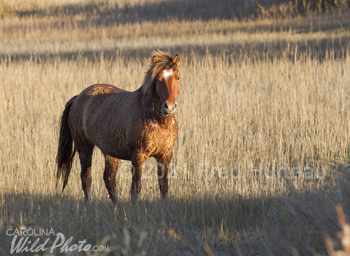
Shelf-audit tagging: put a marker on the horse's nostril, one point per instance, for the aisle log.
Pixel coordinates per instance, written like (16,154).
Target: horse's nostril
(166,105)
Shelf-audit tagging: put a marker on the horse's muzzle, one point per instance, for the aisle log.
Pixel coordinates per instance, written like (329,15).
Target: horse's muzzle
(168,110)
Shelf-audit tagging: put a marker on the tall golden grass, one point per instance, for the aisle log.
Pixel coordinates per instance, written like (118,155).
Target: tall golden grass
(262,156)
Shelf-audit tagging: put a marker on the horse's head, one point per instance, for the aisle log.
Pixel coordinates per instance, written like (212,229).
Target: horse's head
(168,86)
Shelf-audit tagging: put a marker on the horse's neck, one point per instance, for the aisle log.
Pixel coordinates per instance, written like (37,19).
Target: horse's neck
(151,108)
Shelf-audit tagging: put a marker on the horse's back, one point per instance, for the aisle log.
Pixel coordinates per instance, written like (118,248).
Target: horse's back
(100,89)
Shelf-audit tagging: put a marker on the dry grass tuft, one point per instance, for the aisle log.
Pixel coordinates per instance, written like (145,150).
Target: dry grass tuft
(344,235)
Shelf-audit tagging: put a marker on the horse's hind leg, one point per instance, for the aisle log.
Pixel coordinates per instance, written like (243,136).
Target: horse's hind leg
(109,176)
(85,155)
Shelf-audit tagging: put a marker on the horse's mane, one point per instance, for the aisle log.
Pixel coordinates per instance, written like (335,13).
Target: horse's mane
(159,61)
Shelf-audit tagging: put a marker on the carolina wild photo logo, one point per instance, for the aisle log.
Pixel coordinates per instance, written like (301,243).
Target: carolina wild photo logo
(40,239)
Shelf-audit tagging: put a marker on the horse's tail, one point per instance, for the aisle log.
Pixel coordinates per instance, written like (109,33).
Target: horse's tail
(66,151)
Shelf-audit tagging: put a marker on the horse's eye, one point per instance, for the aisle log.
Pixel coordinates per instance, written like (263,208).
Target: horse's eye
(178,78)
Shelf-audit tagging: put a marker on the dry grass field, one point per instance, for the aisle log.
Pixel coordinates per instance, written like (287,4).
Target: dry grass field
(263,152)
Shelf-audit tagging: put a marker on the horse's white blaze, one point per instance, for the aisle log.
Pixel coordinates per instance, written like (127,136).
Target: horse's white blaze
(167,73)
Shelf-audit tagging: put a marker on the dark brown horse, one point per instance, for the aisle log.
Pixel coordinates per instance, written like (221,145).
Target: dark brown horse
(123,125)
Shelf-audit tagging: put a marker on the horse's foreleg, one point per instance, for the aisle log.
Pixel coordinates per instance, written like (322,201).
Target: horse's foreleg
(109,176)
(137,165)
(162,166)
(86,179)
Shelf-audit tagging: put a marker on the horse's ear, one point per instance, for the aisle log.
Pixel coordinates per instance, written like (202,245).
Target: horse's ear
(176,59)
(154,59)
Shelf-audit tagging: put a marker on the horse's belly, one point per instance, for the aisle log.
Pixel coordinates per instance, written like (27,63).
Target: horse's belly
(116,151)
(124,155)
